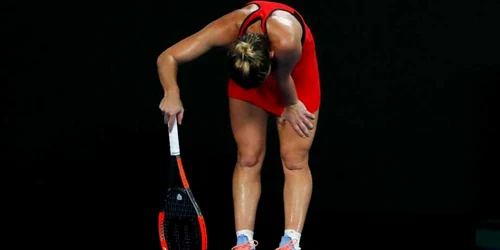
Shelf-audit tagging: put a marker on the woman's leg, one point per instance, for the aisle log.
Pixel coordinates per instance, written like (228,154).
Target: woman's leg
(298,181)
(249,126)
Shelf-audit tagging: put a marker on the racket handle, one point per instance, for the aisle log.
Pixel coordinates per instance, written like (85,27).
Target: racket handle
(173,137)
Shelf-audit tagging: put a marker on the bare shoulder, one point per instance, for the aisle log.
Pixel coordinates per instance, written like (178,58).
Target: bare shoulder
(228,21)
(224,30)
(235,18)
(248,9)
(239,15)
(283,28)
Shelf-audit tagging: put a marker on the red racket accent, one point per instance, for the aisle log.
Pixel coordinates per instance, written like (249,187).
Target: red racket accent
(185,182)
(163,241)
(204,238)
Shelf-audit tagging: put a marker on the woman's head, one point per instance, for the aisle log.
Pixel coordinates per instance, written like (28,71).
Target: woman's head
(250,60)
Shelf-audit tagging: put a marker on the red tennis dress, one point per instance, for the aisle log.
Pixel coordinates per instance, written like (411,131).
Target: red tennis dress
(305,73)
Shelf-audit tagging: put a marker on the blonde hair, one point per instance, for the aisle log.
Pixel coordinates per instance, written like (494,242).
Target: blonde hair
(249,60)
(246,56)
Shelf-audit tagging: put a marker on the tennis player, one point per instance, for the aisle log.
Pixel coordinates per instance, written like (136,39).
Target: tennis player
(273,70)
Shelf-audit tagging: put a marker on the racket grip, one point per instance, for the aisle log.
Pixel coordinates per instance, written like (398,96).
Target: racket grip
(173,137)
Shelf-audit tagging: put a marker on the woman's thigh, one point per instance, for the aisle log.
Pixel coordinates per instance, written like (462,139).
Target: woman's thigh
(249,126)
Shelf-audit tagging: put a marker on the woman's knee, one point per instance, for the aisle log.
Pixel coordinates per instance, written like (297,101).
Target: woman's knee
(295,158)
(251,157)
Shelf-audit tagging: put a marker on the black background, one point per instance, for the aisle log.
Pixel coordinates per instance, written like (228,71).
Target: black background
(405,151)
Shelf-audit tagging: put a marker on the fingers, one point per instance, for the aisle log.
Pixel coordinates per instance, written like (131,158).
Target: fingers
(299,131)
(165,118)
(301,128)
(307,122)
(309,115)
(305,130)
(171,120)
(169,117)
(180,115)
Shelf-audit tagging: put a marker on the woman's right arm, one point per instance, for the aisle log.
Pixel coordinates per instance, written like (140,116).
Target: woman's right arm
(220,32)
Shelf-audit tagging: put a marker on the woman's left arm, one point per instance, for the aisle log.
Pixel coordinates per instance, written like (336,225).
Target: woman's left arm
(286,54)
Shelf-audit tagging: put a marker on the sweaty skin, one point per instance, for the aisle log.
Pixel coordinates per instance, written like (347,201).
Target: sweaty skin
(296,125)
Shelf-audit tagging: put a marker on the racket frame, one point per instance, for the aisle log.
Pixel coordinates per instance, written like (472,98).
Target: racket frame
(174,170)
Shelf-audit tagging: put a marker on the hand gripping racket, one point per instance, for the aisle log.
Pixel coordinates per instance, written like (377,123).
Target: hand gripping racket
(180,222)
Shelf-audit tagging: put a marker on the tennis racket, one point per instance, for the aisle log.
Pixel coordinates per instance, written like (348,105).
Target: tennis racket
(180,222)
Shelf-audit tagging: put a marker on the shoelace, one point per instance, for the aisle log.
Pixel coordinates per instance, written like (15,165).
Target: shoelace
(247,246)
(288,246)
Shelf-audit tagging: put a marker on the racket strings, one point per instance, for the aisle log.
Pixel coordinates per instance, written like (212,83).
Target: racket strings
(181,226)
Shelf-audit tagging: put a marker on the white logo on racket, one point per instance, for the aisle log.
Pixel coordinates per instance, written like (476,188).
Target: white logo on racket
(179,197)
